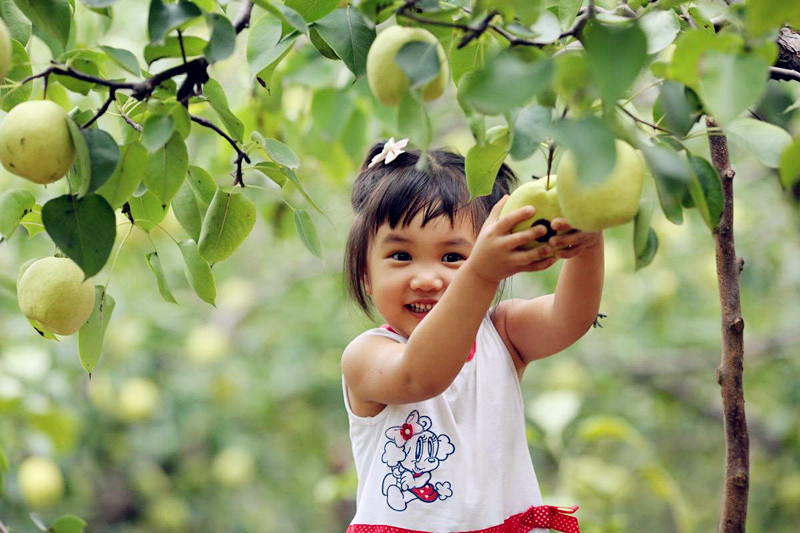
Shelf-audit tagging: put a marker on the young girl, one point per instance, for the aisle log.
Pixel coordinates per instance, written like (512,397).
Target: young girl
(433,397)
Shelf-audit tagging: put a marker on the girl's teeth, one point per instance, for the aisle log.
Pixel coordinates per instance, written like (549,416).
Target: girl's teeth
(421,308)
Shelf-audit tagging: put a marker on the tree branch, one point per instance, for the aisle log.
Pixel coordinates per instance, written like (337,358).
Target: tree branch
(729,373)
(242,19)
(241,156)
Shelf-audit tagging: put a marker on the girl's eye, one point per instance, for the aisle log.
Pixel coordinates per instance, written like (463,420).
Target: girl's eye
(401,256)
(452,257)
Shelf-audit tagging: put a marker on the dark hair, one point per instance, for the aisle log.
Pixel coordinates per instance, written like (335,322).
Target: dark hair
(397,192)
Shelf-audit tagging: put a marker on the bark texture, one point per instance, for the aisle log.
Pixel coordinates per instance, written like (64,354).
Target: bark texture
(729,373)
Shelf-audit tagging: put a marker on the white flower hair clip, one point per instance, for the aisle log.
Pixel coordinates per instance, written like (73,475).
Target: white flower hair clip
(390,151)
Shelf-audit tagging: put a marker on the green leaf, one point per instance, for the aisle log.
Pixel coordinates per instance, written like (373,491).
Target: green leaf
(617,53)
(223,39)
(481,166)
(127,176)
(349,36)
(531,128)
(789,169)
(672,175)
(766,141)
(661,27)
(171,47)
(308,234)
(123,58)
(691,46)
(471,57)
(51,17)
(215,95)
(165,17)
(161,280)
(507,82)
(187,211)
(277,151)
(262,43)
(14,204)
(312,10)
(203,185)
(732,83)
(591,144)
(229,220)
(157,131)
(419,61)
(83,159)
(706,191)
(645,240)
(103,159)
(92,333)
(18,24)
(413,121)
(198,273)
(273,171)
(20,69)
(678,116)
(763,16)
(166,169)
(84,229)
(32,221)
(68,524)
(147,211)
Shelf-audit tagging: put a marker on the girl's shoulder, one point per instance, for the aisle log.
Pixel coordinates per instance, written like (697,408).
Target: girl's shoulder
(498,315)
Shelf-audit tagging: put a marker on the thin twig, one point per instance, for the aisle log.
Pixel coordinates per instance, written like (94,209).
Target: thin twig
(646,123)
(135,125)
(242,19)
(777,73)
(241,156)
(112,94)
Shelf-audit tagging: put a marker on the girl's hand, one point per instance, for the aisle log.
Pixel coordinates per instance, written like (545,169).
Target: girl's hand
(498,253)
(574,242)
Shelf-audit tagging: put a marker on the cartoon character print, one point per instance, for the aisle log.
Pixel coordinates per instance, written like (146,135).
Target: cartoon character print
(412,453)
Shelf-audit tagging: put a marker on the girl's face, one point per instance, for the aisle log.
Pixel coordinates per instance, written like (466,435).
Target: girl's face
(409,268)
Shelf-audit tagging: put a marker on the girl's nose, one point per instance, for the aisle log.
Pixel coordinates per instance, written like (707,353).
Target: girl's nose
(427,280)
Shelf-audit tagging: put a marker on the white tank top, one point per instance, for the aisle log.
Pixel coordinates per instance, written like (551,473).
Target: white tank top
(456,462)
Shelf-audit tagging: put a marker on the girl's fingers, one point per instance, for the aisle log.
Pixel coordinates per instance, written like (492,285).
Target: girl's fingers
(494,214)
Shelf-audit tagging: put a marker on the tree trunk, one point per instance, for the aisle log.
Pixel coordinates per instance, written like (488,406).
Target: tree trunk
(729,373)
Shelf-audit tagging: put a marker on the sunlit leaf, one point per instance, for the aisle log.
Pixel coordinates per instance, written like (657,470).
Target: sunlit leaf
(766,141)
(157,131)
(215,94)
(187,211)
(103,159)
(729,84)
(127,176)
(14,204)
(661,27)
(123,58)
(591,144)
(645,240)
(672,175)
(481,166)
(84,229)
(419,61)
(277,151)
(20,69)
(203,185)
(171,47)
(92,333)
(229,220)
(166,169)
(68,524)
(51,17)
(32,221)
(308,233)
(161,279)
(198,273)
(531,128)
(617,53)
(262,43)
(312,10)
(790,164)
(706,191)
(147,211)
(413,121)
(19,26)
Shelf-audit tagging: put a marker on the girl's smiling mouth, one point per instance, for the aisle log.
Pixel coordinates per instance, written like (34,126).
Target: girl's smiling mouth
(420,308)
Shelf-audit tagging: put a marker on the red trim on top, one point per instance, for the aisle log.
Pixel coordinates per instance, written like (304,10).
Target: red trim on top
(469,357)
(542,516)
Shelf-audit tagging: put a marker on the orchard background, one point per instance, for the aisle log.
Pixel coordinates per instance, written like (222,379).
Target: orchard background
(216,405)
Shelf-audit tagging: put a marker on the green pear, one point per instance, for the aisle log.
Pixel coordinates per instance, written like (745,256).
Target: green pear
(386,79)
(543,196)
(54,293)
(6,53)
(612,201)
(35,142)
(40,482)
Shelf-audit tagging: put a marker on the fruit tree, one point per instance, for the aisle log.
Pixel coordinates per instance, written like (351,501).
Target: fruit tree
(203,120)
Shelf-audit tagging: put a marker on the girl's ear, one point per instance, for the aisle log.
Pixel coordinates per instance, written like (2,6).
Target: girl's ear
(367,287)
